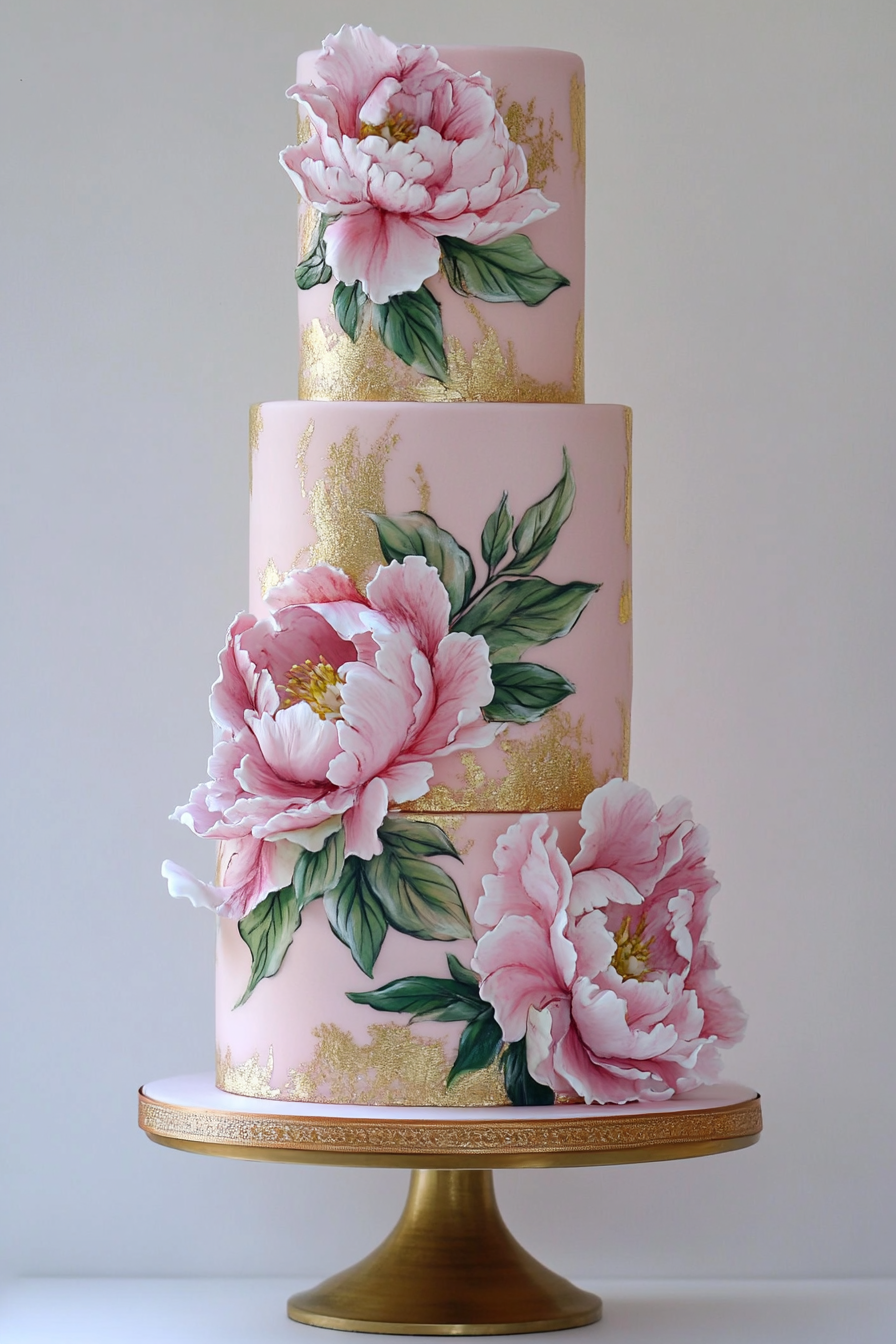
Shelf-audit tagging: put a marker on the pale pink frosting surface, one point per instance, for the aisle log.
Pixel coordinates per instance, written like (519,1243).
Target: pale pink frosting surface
(541,94)
(457,461)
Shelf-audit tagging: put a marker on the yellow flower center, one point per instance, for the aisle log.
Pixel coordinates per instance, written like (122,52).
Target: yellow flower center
(317,684)
(632,956)
(397,126)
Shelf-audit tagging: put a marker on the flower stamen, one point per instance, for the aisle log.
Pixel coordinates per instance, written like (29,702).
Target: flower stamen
(398,126)
(632,956)
(315,684)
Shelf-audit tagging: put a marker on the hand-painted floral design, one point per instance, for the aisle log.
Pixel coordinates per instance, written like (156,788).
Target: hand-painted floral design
(328,710)
(601,966)
(411,167)
(333,709)
(592,980)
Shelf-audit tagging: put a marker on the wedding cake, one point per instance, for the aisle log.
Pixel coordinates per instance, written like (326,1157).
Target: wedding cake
(436,885)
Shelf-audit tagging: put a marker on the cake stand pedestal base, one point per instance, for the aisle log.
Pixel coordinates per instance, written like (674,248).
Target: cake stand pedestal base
(450,1267)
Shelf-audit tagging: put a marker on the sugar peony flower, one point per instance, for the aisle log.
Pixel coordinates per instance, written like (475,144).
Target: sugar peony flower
(403,150)
(329,710)
(602,965)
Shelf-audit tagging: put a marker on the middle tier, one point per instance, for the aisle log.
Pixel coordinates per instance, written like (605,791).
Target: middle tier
(526,511)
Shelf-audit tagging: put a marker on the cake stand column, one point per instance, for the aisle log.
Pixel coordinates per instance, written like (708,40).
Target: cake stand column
(449,1267)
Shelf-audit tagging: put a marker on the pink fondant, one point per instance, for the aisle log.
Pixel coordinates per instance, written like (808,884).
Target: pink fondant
(469,454)
(540,84)
(310,988)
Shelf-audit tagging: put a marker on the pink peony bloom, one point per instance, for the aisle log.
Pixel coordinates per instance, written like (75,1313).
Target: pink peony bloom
(329,710)
(602,964)
(403,150)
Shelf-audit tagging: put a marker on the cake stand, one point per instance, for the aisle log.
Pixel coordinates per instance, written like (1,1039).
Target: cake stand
(450,1266)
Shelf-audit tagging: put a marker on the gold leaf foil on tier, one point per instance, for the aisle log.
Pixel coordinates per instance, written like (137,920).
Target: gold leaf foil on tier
(335,368)
(256,425)
(252,1079)
(527,128)
(550,771)
(625,603)
(396,1068)
(352,486)
(577,121)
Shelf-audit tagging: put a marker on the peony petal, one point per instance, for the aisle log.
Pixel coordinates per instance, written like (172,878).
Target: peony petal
(412,596)
(297,744)
(305,587)
(389,254)
(363,821)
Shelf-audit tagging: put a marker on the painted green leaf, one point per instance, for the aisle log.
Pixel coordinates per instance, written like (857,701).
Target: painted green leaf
(317,873)
(415,839)
(267,932)
(410,325)
(462,974)
(479,1046)
(418,897)
(521,1087)
(496,535)
(313,269)
(540,525)
(507,271)
(517,613)
(426,998)
(524,692)
(349,302)
(356,916)
(403,534)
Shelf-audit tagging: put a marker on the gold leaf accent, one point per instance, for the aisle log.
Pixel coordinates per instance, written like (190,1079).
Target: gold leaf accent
(336,368)
(423,487)
(624,752)
(269,577)
(309,219)
(577,121)
(303,127)
(627,411)
(396,1068)
(527,128)
(352,486)
(302,452)
(625,603)
(548,772)
(256,425)
(252,1079)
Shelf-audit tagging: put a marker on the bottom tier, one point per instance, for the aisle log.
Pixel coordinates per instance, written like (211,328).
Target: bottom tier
(299,1037)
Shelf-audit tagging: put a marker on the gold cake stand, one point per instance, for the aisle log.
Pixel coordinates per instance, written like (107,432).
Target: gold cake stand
(450,1266)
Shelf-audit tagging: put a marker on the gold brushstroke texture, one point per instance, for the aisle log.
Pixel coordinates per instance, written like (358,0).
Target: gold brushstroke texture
(252,1079)
(353,485)
(336,368)
(302,453)
(625,603)
(309,218)
(549,771)
(256,425)
(396,1068)
(303,127)
(423,487)
(624,752)
(627,412)
(577,121)
(527,128)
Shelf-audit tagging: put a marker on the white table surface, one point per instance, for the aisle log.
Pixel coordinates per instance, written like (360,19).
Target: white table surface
(253,1311)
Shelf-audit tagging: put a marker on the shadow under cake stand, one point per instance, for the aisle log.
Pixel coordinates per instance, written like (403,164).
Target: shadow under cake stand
(450,1266)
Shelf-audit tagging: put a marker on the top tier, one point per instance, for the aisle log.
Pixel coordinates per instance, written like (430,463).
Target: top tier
(441,222)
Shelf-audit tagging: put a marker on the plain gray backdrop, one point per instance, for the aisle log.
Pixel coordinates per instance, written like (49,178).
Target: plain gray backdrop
(741,299)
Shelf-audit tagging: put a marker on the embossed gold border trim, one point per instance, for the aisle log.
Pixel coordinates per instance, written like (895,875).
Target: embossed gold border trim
(602,1139)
